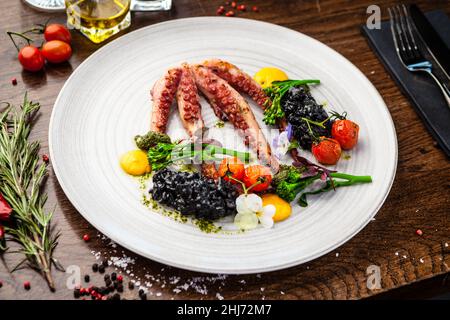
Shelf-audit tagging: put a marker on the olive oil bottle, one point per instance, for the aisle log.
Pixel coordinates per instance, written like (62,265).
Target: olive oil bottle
(98,19)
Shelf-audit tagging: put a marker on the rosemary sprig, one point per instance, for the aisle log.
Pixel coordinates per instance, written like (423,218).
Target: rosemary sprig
(22,179)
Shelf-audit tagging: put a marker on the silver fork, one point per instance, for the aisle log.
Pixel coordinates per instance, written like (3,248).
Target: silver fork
(407,50)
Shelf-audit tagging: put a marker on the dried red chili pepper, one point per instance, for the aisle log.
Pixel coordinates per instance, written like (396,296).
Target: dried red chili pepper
(5,209)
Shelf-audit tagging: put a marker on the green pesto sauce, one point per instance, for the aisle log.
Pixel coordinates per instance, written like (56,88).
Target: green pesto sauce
(146,199)
(155,206)
(206,226)
(220,124)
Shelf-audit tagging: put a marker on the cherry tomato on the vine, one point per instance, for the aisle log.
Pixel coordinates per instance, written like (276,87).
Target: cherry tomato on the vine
(56,51)
(345,132)
(326,151)
(257,173)
(231,167)
(57,31)
(31,58)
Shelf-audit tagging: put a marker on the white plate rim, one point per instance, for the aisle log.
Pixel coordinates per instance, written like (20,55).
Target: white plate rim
(191,267)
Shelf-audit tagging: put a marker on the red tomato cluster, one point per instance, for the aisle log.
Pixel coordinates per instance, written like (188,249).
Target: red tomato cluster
(344,135)
(56,49)
(256,177)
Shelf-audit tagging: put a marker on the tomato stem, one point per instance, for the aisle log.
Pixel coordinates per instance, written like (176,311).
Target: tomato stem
(18,34)
(254,185)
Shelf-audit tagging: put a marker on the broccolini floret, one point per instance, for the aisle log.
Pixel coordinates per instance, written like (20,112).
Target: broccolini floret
(288,190)
(289,173)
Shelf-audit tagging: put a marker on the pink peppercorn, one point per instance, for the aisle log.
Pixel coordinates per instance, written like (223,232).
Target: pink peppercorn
(220,10)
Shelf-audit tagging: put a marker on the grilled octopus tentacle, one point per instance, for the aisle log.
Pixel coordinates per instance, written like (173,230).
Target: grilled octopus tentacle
(243,82)
(163,95)
(238,79)
(190,113)
(189,103)
(234,106)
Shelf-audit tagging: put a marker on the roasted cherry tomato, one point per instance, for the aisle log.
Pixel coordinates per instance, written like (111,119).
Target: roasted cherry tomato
(57,31)
(327,151)
(56,51)
(345,132)
(231,167)
(31,58)
(257,173)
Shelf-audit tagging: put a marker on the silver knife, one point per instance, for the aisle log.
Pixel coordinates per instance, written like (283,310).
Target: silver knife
(434,43)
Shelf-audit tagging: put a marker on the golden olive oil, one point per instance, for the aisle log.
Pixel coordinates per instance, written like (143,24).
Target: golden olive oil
(98,19)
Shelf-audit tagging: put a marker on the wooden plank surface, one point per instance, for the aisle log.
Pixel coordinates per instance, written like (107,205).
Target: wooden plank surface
(420,196)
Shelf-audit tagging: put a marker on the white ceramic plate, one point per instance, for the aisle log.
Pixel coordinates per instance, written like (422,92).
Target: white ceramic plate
(106,102)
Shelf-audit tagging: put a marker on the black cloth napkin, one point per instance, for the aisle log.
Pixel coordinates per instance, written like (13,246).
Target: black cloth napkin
(422,91)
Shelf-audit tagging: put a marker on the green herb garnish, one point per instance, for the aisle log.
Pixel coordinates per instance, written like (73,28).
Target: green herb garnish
(275,92)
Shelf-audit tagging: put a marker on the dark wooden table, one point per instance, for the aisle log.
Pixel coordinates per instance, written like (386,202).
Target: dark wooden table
(419,199)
